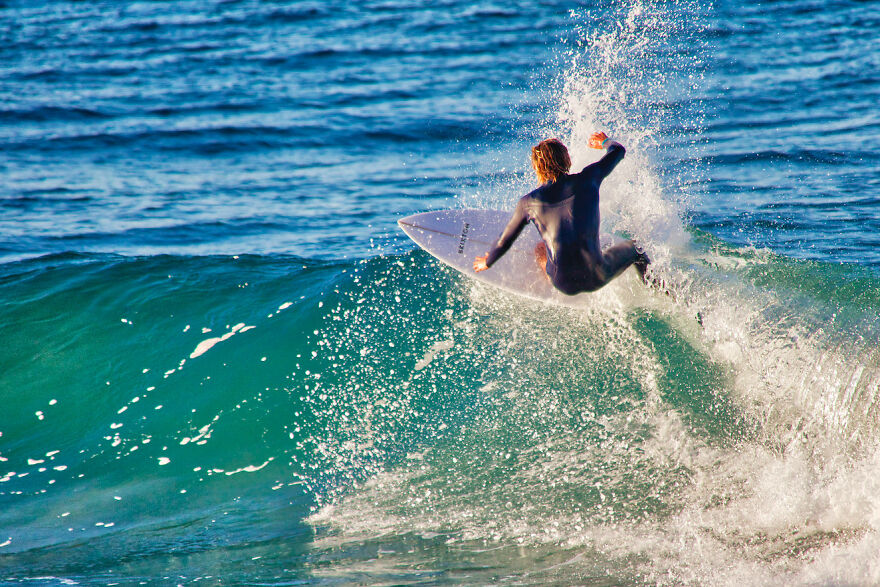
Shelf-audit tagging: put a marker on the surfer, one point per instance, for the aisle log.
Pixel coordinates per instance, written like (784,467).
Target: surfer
(565,209)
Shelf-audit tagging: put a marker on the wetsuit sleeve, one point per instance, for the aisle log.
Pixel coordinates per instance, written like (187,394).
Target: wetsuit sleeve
(517,222)
(606,164)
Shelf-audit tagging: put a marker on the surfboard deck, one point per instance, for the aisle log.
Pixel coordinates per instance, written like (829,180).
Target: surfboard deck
(457,237)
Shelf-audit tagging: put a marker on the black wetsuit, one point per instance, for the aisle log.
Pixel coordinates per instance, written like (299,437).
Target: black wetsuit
(566,213)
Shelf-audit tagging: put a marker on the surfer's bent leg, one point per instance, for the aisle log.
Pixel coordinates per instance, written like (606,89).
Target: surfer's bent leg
(593,276)
(617,258)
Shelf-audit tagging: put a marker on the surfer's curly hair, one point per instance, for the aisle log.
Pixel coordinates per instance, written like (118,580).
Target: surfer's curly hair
(550,160)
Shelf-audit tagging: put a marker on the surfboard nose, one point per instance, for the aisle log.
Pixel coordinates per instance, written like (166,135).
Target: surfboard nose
(409,225)
(407,221)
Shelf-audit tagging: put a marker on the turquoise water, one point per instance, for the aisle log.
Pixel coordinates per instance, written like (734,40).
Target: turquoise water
(223,363)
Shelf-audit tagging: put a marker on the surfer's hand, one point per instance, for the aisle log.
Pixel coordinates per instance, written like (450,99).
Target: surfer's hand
(480,263)
(596,139)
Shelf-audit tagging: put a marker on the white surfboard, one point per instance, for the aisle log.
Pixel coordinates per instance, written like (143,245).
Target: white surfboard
(456,237)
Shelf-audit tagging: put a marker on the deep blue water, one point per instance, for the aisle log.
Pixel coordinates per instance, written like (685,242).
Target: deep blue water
(224,363)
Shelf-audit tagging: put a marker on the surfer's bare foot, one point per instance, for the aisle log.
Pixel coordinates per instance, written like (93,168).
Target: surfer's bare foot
(541,255)
(541,258)
(648,277)
(641,265)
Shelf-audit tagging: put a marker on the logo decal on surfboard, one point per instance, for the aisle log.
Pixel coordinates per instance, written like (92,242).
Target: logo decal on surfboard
(463,239)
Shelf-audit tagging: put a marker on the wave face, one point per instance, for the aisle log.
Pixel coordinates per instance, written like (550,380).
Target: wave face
(288,419)
(222,362)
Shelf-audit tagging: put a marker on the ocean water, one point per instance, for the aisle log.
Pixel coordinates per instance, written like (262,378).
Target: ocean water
(223,363)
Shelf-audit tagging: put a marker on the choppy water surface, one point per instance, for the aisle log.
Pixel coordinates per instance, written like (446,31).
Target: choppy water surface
(224,363)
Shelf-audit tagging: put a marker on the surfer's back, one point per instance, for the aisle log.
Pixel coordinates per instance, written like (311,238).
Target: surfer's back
(566,213)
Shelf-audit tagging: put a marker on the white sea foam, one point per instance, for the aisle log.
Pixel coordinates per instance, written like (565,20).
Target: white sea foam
(209,343)
(438,347)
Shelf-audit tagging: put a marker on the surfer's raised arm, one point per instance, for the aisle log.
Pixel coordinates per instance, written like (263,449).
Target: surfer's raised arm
(517,222)
(605,165)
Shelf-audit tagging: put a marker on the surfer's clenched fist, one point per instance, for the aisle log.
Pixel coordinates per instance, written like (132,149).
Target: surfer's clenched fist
(480,263)
(596,139)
